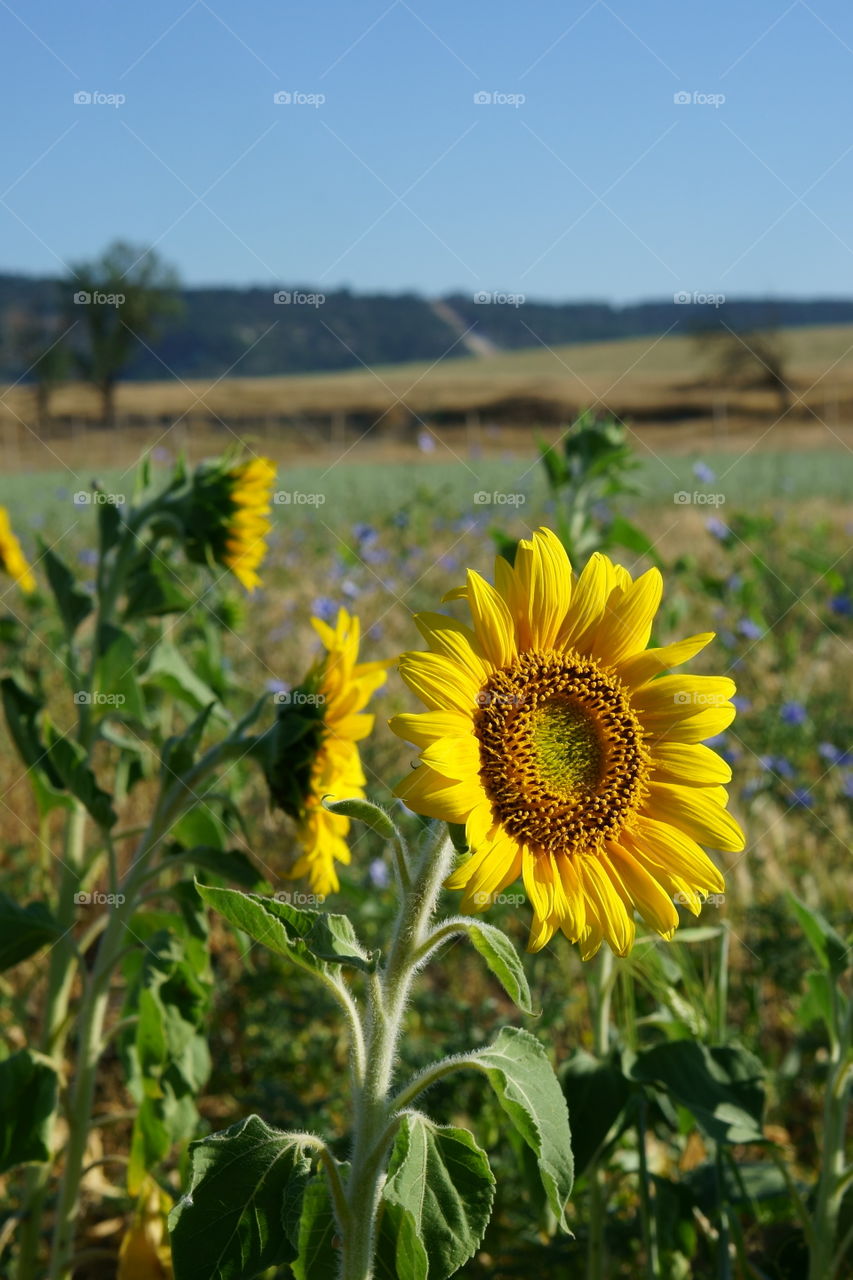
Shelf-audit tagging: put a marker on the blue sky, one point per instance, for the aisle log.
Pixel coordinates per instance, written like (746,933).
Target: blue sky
(597,185)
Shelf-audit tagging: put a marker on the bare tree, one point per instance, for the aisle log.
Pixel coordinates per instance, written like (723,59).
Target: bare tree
(755,359)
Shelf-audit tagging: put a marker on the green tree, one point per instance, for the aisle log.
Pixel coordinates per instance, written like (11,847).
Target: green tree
(40,345)
(123,298)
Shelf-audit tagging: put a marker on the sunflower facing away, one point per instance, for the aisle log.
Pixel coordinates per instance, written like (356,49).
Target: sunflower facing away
(12,559)
(228,516)
(572,762)
(314,752)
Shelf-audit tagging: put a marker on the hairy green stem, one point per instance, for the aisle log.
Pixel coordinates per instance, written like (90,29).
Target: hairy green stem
(375,1109)
(824,1262)
(601,988)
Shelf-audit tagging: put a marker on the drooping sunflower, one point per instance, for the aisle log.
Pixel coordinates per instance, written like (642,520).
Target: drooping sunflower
(227,517)
(312,751)
(12,558)
(552,735)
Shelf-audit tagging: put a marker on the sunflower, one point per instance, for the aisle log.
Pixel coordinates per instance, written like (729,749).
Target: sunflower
(572,762)
(12,559)
(313,753)
(227,518)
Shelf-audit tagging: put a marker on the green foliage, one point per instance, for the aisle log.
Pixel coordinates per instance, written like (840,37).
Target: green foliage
(229,1223)
(24,930)
(437,1201)
(721,1085)
(500,955)
(28,1091)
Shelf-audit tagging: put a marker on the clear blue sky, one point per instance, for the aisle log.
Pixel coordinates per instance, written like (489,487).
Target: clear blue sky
(598,185)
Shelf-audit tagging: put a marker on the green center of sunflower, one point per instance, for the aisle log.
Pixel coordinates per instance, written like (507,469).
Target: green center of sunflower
(562,755)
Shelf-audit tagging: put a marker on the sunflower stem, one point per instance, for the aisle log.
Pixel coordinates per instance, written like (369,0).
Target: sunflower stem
(375,1107)
(600,991)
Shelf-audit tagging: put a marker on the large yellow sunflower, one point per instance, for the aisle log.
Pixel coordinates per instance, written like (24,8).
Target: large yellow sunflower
(319,759)
(573,763)
(12,559)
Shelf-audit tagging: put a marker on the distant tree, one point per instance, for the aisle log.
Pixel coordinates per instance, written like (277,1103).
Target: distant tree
(122,298)
(758,358)
(40,345)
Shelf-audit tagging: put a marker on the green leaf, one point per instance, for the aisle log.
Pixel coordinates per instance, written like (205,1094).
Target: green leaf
(23,930)
(596,1093)
(115,679)
(311,939)
(69,760)
(363,811)
(229,1224)
(316,1233)
(152,591)
(721,1085)
(830,948)
(501,957)
(28,1092)
(622,533)
(179,752)
(437,1200)
(22,711)
(529,1092)
(231,864)
(169,670)
(73,603)
(817,1002)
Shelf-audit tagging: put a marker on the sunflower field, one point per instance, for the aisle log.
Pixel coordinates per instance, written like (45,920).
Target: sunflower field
(403,879)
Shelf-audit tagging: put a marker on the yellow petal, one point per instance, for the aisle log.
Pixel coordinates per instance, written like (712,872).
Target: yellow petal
(626,625)
(439,683)
(435,796)
(638,668)
(689,763)
(686,694)
(457,642)
(616,925)
(492,621)
(544,581)
(690,809)
(588,600)
(659,845)
(424,727)
(654,904)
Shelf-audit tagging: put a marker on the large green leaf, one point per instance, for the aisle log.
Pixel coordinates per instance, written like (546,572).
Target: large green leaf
(501,957)
(73,603)
(169,670)
(529,1092)
(115,678)
(23,930)
(721,1085)
(69,760)
(830,948)
(437,1201)
(312,939)
(229,1224)
(316,1232)
(28,1089)
(231,864)
(597,1093)
(22,712)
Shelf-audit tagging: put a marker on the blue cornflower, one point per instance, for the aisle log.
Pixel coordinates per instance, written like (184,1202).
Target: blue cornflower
(793,713)
(703,472)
